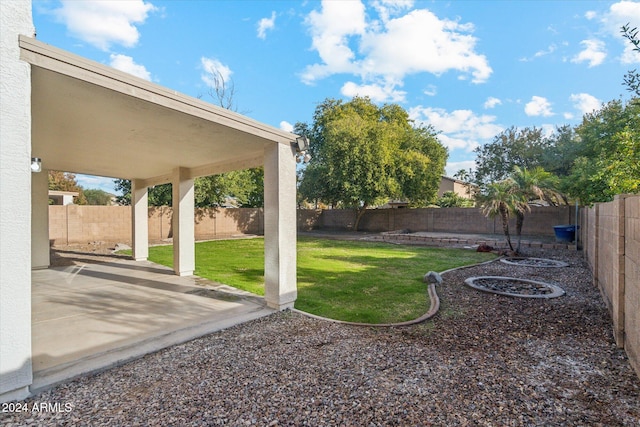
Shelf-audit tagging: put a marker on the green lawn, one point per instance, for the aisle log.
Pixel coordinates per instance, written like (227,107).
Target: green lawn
(345,280)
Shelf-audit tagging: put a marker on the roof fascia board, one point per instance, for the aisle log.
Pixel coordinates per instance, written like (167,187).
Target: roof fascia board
(51,58)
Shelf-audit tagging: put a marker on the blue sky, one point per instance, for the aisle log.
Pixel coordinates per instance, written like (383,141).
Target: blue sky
(469,68)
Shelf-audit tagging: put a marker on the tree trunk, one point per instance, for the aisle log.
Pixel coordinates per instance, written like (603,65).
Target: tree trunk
(519,222)
(504,214)
(359,215)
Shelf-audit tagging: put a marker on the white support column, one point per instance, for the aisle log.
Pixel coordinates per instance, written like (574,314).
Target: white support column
(183,223)
(280,226)
(139,220)
(40,257)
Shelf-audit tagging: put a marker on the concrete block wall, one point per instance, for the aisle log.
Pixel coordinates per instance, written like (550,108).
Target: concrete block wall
(308,219)
(611,261)
(539,221)
(337,219)
(611,240)
(632,281)
(159,223)
(211,223)
(73,224)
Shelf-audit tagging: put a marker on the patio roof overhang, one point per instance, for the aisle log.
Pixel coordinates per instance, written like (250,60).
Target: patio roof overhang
(92,119)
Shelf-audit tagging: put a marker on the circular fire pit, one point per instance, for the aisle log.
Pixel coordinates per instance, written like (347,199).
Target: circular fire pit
(534,262)
(514,287)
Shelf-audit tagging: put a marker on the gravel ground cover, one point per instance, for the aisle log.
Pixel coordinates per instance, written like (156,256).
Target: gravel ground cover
(483,360)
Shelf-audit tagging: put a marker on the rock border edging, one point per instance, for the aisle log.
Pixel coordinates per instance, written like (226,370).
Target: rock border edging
(557,291)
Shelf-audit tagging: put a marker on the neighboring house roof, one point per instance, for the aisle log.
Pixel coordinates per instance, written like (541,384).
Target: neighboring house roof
(454,180)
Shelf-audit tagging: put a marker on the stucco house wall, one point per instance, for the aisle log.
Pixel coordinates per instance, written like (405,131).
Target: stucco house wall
(455,185)
(15,203)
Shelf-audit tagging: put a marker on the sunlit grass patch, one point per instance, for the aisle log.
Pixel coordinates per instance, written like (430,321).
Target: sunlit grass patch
(346,280)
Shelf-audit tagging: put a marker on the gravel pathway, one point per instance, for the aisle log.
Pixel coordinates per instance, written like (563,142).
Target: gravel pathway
(483,360)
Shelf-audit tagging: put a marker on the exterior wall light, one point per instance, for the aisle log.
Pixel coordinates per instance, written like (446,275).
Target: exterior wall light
(301,145)
(36,164)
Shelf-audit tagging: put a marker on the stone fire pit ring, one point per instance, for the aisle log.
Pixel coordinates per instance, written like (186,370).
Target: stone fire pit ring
(515,287)
(534,262)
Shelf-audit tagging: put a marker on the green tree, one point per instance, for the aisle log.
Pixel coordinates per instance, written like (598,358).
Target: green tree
(512,147)
(632,79)
(532,184)
(607,156)
(564,146)
(451,199)
(246,186)
(500,199)
(159,195)
(363,155)
(66,181)
(97,197)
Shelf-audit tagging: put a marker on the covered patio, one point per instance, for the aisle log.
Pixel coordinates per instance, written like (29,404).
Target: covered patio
(91,119)
(80,116)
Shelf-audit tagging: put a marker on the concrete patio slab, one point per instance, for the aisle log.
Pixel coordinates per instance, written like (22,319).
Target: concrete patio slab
(92,316)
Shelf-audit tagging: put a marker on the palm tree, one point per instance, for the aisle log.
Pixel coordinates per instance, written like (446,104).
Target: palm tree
(501,199)
(533,184)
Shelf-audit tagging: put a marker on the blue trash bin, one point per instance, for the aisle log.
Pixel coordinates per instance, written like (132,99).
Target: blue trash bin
(565,233)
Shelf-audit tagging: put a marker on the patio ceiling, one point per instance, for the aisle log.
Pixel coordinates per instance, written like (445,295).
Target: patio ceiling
(92,119)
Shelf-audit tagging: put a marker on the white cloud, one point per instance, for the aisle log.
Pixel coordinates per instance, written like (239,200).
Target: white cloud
(377,92)
(266,24)
(552,48)
(286,126)
(630,56)
(103,23)
(214,69)
(590,14)
(453,167)
(431,90)
(594,53)
(387,8)
(585,103)
(491,102)
(568,116)
(392,47)
(125,63)
(420,42)
(460,129)
(330,30)
(538,106)
(619,14)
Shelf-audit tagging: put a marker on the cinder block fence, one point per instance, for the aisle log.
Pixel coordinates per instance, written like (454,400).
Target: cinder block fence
(73,224)
(611,241)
